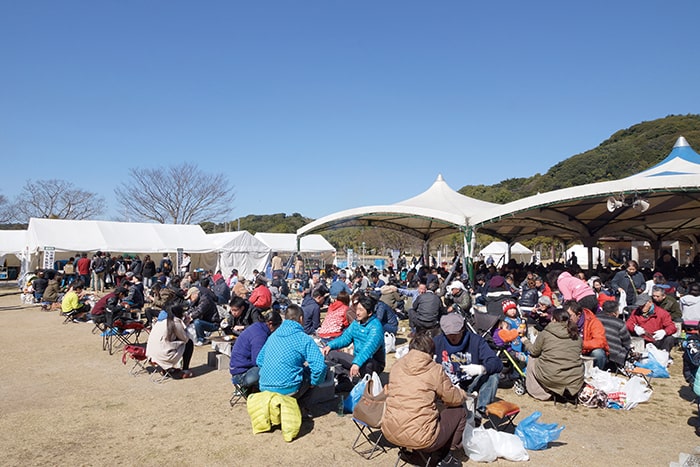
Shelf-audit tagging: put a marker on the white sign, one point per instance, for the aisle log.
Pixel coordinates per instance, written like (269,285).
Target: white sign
(49,255)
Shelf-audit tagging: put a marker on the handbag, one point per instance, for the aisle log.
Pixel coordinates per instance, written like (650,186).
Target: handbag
(370,408)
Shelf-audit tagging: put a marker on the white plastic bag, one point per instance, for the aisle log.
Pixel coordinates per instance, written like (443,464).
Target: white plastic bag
(401,351)
(191,333)
(636,391)
(389,342)
(660,355)
(508,446)
(604,380)
(480,447)
(376,384)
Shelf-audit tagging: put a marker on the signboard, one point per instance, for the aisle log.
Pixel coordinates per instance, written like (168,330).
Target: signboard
(350,257)
(180,256)
(49,257)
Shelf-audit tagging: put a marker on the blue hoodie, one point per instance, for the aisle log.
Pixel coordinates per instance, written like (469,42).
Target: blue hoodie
(282,358)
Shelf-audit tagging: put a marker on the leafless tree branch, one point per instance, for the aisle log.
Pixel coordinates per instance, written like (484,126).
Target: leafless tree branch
(56,199)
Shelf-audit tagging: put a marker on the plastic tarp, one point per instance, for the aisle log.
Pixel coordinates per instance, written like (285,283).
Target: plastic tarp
(498,250)
(236,250)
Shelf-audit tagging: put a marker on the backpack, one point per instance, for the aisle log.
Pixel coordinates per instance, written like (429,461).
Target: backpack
(98,265)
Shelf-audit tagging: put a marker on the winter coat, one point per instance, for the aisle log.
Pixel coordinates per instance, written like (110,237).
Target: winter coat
(267,409)
(367,340)
(51,292)
(205,308)
(558,367)
(411,417)
(593,333)
(690,305)
(335,321)
(618,338)
(427,309)
(471,349)
(247,348)
(573,288)
(632,285)
(312,314)
(387,316)
(658,319)
(166,353)
(261,297)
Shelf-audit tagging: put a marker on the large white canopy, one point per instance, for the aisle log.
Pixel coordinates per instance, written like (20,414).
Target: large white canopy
(236,250)
(12,243)
(436,212)
(672,189)
(286,243)
(499,250)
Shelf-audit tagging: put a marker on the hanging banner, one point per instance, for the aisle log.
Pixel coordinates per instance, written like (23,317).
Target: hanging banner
(49,255)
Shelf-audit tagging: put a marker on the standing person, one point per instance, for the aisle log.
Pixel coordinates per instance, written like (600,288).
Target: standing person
(166,265)
(555,367)
(185,266)
(168,343)
(290,361)
(83,267)
(98,266)
(276,265)
(367,336)
(630,281)
(149,270)
(243,368)
(412,419)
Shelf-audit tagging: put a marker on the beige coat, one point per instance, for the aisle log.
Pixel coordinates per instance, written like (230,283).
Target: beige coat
(163,352)
(559,366)
(416,382)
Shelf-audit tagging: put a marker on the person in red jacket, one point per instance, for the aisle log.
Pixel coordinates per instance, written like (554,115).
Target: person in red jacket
(592,331)
(261,297)
(652,323)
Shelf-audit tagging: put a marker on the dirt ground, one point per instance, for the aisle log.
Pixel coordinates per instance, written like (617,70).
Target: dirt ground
(64,401)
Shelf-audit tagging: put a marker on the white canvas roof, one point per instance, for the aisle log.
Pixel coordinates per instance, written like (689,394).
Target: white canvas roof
(287,243)
(498,250)
(436,212)
(236,250)
(12,242)
(672,189)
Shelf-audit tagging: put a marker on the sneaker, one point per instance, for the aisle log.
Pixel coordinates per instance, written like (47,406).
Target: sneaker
(201,343)
(450,461)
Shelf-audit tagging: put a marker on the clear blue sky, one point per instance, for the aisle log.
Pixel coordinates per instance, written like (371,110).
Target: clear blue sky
(318,106)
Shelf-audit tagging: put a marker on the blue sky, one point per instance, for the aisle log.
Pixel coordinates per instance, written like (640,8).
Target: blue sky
(318,106)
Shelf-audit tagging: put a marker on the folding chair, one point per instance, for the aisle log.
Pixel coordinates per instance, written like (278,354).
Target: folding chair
(125,332)
(159,375)
(368,440)
(239,394)
(501,415)
(68,317)
(412,457)
(136,353)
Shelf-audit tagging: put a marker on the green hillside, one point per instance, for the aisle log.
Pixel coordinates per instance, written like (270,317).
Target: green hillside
(625,153)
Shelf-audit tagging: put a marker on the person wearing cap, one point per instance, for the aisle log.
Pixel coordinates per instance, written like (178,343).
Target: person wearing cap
(592,332)
(468,360)
(243,367)
(498,291)
(652,323)
(507,333)
(630,281)
(261,297)
(367,336)
(203,311)
(458,296)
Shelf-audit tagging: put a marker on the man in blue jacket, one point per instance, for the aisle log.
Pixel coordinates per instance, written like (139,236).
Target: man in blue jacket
(367,336)
(468,360)
(283,357)
(244,354)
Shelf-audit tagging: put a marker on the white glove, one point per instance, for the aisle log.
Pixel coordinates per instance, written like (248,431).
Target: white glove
(660,334)
(473,370)
(639,330)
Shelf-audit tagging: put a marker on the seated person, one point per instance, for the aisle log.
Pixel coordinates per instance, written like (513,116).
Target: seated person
(458,297)
(134,298)
(172,294)
(555,366)
(73,302)
(290,361)
(53,288)
(244,354)
(468,360)
(203,312)
(426,310)
(652,323)
(385,314)
(168,343)
(311,305)
(336,318)
(155,303)
(412,419)
(690,303)
(541,315)
(507,333)
(239,289)
(241,315)
(111,301)
(616,334)
(367,336)
(221,290)
(591,331)
(261,297)
(39,284)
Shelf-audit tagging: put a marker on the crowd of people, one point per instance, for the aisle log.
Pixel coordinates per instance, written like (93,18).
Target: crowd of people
(550,319)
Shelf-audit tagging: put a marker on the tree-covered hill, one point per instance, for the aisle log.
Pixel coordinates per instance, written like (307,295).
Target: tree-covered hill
(625,153)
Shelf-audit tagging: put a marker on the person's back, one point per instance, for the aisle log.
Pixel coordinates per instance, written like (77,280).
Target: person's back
(247,348)
(616,333)
(690,303)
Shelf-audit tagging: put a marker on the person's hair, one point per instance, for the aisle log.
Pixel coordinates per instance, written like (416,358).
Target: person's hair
(367,302)
(204,282)
(318,293)
(274,318)
(294,312)
(562,316)
(343,297)
(175,281)
(552,277)
(119,291)
(611,307)
(631,262)
(656,288)
(175,311)
(574,306)
(238,302)
(433,286)
(77,284)
(694,289)
(423,341)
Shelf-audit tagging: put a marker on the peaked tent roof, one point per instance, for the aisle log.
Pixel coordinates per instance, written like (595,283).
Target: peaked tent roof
(436,212)
(12,242)
(287,242)
(672,189)
(239,241)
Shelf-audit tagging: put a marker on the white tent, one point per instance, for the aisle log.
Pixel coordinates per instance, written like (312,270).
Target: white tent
(236,250)
(582,255)
(498,251)
(12,244)
(285,244)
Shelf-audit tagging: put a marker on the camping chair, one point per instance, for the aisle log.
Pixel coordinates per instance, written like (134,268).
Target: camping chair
(124,331)
(408,456)
(501,415)
(137,353)
(159,375)
(239,394)
(368,440)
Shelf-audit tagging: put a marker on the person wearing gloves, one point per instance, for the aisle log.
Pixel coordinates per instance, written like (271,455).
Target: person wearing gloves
(468,360)
(652,323)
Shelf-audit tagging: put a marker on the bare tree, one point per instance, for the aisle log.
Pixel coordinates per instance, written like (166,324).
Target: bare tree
(181,195)
(56,199)
(6,211)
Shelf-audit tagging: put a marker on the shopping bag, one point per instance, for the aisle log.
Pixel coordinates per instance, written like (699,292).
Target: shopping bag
(537,436)
(355,394)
